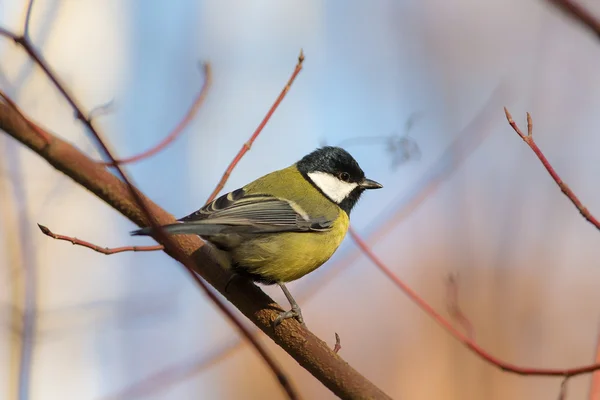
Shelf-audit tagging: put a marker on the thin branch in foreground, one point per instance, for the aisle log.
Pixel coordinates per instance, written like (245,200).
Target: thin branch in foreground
(174,134)
(258,130)
(103,250)
(579,14)
(528,139)
(41,132)
(454,306)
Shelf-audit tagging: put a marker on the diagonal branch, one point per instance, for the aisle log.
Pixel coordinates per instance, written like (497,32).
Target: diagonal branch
(308,350)
(579,14)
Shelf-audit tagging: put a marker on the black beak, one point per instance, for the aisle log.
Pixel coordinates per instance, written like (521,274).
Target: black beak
(370,184)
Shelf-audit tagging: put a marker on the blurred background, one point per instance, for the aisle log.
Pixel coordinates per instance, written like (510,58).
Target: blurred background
(423,81)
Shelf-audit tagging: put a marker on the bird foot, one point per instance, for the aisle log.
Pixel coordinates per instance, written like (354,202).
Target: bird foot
(295,312)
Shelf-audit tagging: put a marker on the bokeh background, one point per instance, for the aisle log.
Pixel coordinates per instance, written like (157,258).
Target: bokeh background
(471,199)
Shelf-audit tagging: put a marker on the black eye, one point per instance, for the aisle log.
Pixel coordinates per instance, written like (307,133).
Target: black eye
(344,176)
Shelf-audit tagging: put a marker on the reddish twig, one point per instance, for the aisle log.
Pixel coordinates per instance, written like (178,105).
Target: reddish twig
(103,250)
(528,139)
(461,337)
(578,13)
(338,344)
(595,383)
(258,130)
(193,110)
(454,307)
(42,133)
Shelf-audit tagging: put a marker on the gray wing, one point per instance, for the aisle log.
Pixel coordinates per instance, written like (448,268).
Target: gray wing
(237,212)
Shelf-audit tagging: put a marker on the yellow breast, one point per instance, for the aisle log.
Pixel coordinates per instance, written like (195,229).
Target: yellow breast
(284,257)
(288,256)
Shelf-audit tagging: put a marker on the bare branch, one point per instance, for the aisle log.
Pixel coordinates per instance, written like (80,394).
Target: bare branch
(258,130)
(103,250)
(528,139)
(174,134)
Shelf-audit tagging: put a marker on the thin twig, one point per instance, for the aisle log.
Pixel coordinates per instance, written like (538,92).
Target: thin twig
(454,306)
(562,395)
(193,110)
(579,14)
(103,250)
(338,345)
(28,19)
(528,139)
(258,130)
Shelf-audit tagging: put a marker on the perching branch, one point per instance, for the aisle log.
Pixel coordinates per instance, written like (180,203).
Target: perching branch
(310,352)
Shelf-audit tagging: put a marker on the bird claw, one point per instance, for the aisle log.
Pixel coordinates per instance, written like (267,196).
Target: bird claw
(295,312)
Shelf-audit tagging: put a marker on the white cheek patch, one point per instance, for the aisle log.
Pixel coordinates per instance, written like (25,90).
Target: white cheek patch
(334,188)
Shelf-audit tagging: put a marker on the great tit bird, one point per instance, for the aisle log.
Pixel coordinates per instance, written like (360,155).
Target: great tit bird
(285,224)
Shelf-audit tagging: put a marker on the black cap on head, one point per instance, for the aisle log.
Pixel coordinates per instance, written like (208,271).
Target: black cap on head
(339,163)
